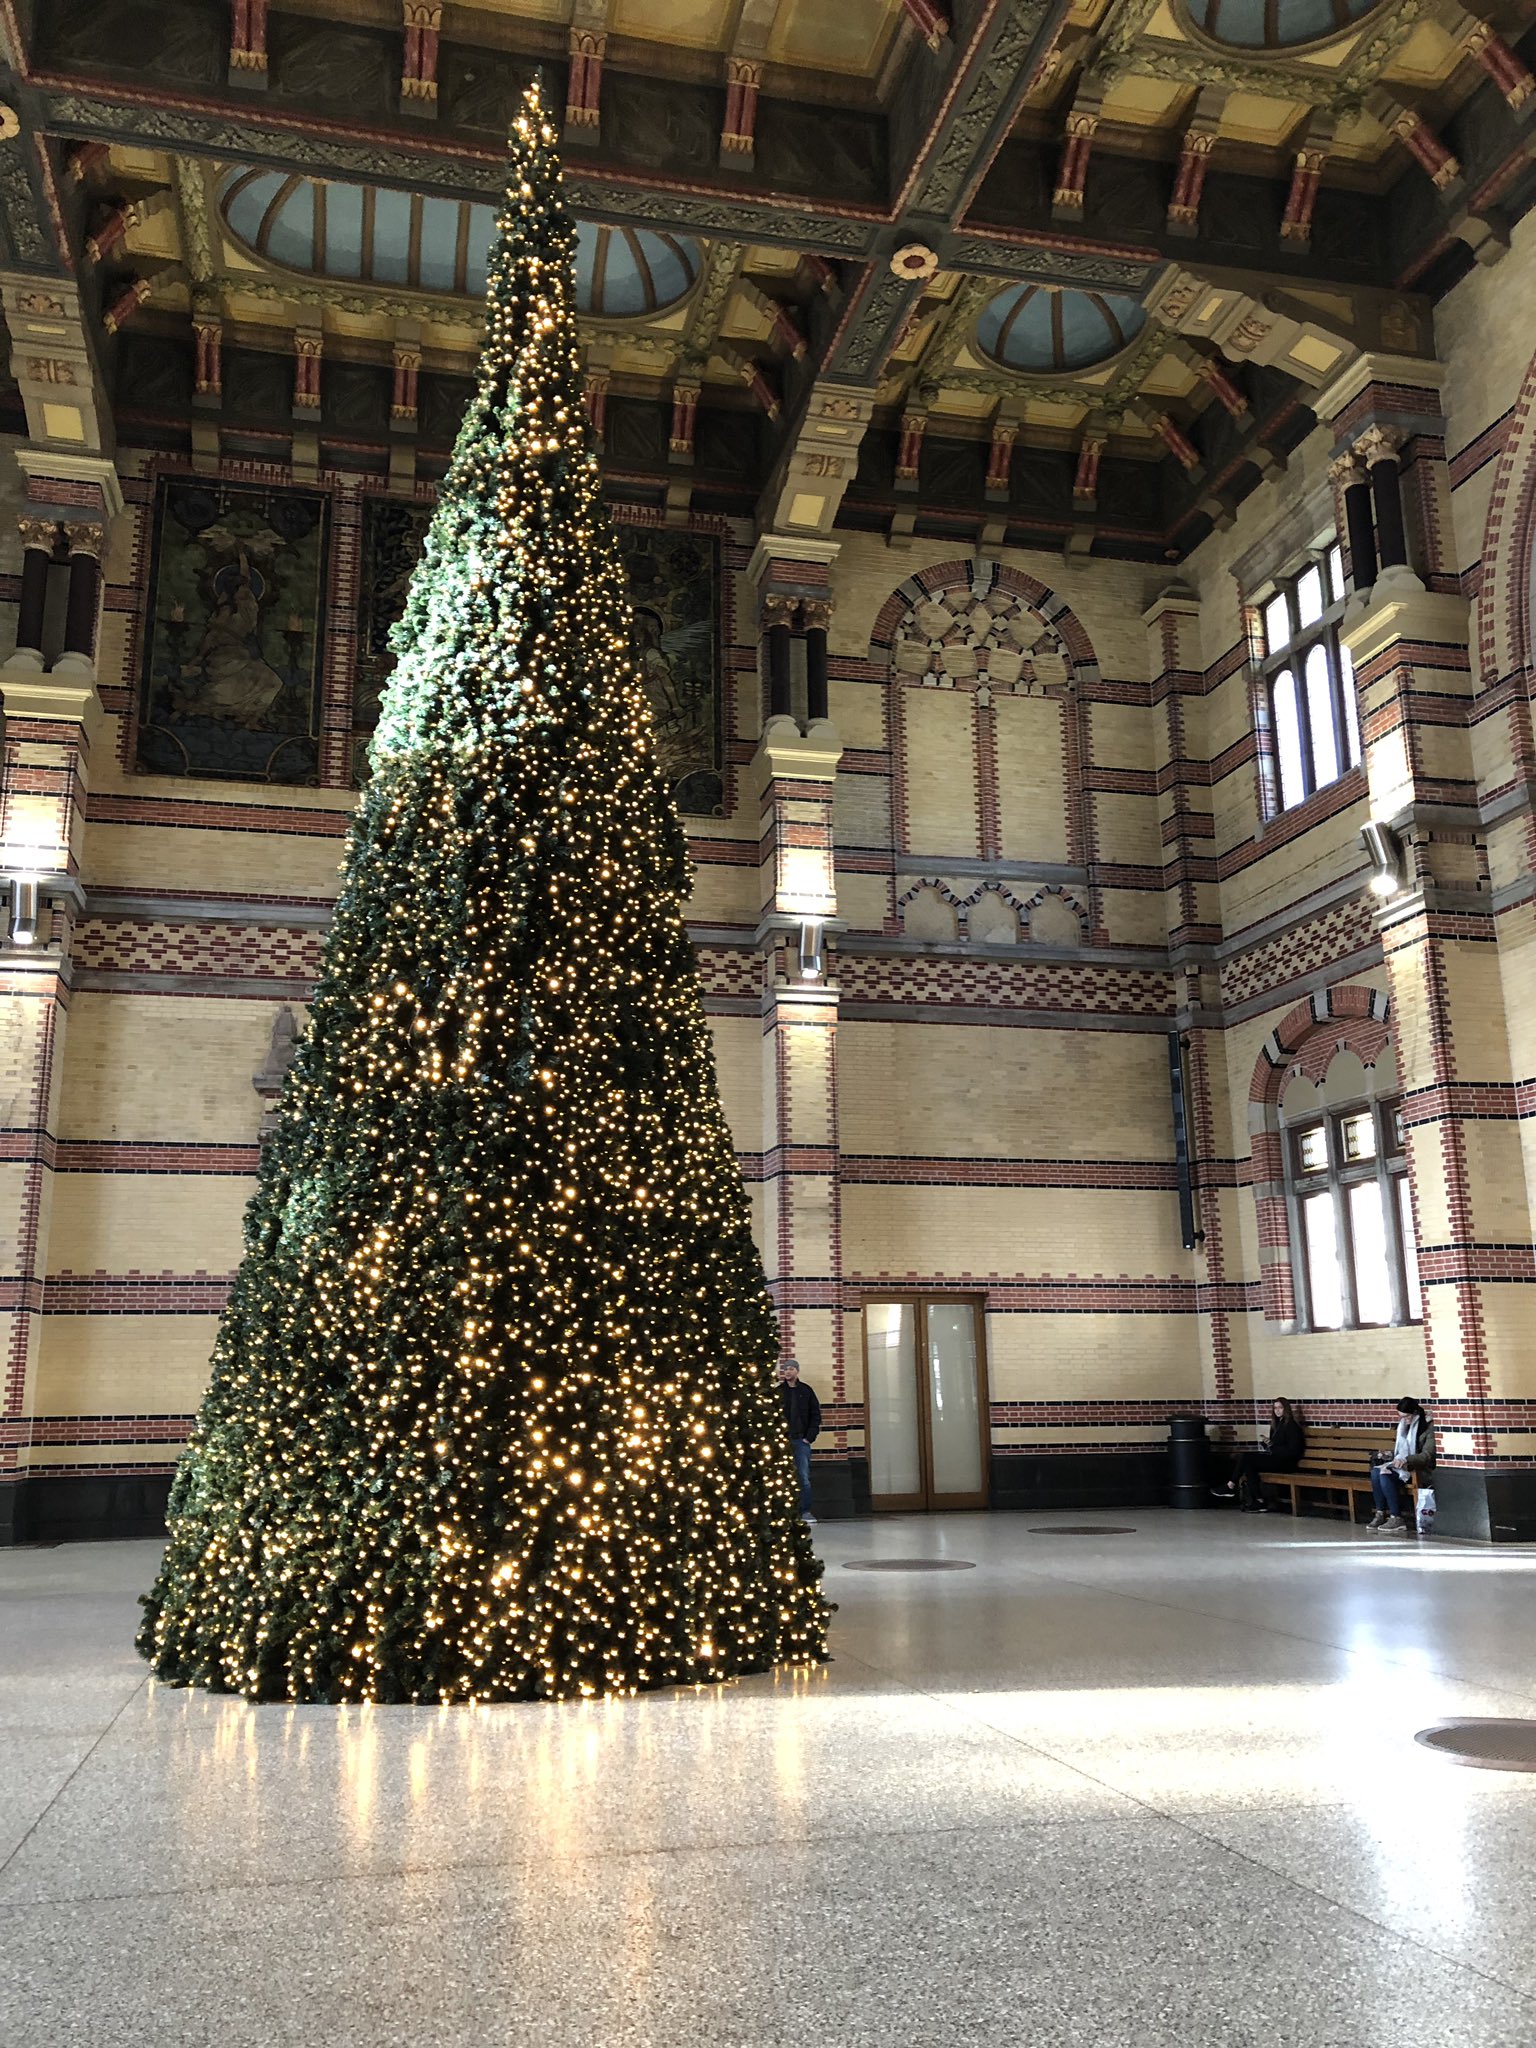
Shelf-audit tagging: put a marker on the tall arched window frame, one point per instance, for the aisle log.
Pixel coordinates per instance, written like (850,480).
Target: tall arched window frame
(1346,1174)
(1314,717)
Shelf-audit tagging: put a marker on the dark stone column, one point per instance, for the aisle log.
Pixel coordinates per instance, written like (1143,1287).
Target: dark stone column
(1378,446)
(776,637)
(817,618)
(38,537)
(85,545)
(1355,488)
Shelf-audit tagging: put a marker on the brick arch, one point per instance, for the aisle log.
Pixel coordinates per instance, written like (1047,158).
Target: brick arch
(1504,642)
(1351,1019)
(978,578)
(982,578)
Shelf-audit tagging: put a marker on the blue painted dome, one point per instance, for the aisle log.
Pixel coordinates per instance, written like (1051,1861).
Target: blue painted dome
(1040,329)
(374,235)
(1276,24)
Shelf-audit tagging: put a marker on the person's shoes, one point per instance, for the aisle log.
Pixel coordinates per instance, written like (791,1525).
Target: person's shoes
(1261,1507)
(1223,1492)
(809,1520)
(1394,1524)
(1376,1520)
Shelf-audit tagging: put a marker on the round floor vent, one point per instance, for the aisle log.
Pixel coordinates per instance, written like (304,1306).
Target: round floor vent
(1085,1529)
(1486,1745)
(908,1564)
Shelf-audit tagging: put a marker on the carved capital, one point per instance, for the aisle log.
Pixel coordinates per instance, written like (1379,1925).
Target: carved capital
(39,534)
(816,615)
(777,611)
(1347,469)
(85,538)
(1379,444)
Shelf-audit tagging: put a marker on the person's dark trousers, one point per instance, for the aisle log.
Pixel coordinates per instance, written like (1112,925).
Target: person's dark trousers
(802,1451)
(1386,1490)
(1246,1474)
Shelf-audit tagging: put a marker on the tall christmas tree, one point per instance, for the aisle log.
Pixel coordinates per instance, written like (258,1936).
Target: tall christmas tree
(492,1412)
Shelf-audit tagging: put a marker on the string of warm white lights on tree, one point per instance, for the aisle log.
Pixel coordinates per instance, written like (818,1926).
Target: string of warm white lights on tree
(492,1413)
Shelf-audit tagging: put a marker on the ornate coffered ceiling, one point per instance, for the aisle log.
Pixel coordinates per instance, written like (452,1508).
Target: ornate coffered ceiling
(956,222)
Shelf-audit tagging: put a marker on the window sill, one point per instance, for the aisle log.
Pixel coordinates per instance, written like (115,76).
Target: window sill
(1280,1329)
(1333,797)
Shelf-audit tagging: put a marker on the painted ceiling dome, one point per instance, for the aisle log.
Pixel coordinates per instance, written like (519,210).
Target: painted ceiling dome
(1038,328)
(1276,24)
(373,235)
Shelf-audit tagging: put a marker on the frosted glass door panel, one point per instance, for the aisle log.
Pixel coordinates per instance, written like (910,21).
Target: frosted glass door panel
(953,1415)
(895,1453)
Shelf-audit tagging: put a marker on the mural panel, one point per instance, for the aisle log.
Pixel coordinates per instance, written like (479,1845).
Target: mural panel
(674,583)
(232,645)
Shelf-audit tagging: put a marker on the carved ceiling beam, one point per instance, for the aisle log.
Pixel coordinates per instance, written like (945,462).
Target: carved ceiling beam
(930,20)
(1072,171)
(1090,453)
(962,112)
(82,158)
(685,413)
(308,349)
(1306,177)
(711,296)
(138,291)
(208,351)
(738,133)
(1207,367)
(423,22)
(909,446)
(753,376)
(782,328)
(1482,42)
(1005,433)
(248,44)
(1194,162)
(588,45)
(405,365)
(1171,434)
(1420,140)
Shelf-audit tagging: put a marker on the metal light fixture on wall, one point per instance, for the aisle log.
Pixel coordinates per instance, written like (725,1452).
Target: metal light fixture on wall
(23,917)
(1388,857)
(813,963)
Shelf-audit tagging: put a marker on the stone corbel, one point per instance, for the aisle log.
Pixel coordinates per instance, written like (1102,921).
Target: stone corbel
(1439,165)
(1194,162)
(1069,196)
(248,44)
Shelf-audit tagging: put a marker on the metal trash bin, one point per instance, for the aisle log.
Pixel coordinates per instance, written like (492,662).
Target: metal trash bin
(1189,1462)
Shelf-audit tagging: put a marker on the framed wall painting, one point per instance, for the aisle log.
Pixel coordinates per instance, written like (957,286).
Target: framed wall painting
(232,644)
(674,583)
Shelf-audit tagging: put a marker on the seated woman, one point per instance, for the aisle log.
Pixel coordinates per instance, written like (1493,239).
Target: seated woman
(1281,1451)
(1413,1455)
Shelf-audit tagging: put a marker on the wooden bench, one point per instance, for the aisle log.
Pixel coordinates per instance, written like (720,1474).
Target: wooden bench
(1338,1466)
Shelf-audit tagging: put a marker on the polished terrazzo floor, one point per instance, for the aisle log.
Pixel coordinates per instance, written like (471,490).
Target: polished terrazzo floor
(1109,1789)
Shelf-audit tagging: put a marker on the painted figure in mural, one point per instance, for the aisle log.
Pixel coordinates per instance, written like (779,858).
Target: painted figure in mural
(233,680)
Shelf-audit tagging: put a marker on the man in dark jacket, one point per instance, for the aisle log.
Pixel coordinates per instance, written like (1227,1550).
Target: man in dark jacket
(802,1413)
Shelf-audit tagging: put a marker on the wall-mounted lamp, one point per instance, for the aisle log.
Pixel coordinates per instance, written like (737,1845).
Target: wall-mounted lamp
(1388,858)
(813,962)
(23,918)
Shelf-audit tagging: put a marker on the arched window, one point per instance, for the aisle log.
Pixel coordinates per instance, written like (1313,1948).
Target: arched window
(1313,714)
(1346,1186)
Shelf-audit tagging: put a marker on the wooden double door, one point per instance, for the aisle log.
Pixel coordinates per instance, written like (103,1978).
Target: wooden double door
(925,1394)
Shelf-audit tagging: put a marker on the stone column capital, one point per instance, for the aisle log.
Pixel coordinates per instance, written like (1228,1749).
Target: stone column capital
(1379,444)
(39,534)
(85,537)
